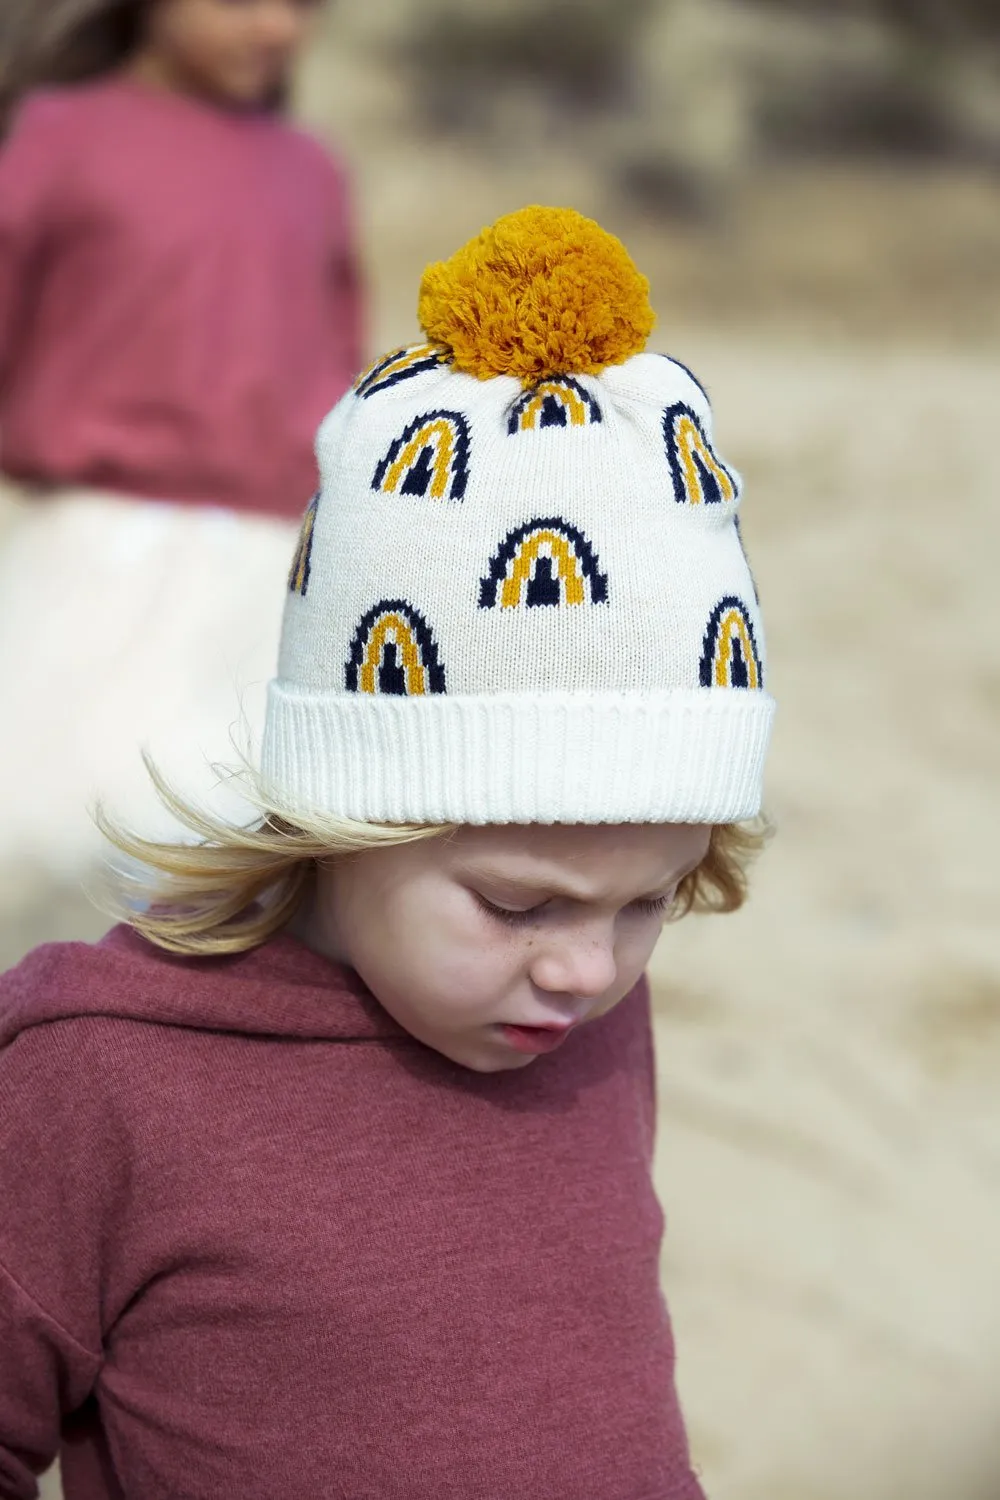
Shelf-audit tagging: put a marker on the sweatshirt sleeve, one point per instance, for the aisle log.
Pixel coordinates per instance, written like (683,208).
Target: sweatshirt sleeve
(60,1189)
(31,177)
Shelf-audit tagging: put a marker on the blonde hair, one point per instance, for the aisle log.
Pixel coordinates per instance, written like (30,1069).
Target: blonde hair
(238,886)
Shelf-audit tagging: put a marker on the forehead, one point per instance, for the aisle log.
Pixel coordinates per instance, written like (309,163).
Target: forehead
(657,850)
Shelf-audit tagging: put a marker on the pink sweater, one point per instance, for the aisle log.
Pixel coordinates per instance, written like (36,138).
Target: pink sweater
(179,303)
(256,1241)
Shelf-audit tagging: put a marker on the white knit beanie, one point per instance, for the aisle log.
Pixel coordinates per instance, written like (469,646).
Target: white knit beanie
(520,595)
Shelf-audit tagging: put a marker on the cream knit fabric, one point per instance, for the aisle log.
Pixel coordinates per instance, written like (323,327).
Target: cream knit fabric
(516,604)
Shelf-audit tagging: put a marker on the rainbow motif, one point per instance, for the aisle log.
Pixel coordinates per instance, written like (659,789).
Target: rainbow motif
(559,402)
(298,577)
(699,475)
(397,365)
(430,458)
(545,561)
(393,651)
(689,373)
(729,657)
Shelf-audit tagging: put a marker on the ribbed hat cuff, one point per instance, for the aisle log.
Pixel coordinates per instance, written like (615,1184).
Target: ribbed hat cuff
(682,756)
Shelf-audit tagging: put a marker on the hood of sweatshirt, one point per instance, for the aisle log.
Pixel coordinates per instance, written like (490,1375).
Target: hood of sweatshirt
(280,989)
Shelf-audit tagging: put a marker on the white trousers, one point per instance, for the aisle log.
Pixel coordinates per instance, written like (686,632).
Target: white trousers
(126,623)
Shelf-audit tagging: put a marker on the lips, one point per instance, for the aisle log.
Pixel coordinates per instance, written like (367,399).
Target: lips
(535,1039)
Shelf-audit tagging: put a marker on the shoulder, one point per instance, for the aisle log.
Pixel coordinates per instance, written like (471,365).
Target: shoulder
(98,111)
(76,1050)
(38,139)
(45,109)
(51,114)
(62,982)
(73,1133)
(308,143)
(314,154)
(71,1105)
(46,140)
(63,1057)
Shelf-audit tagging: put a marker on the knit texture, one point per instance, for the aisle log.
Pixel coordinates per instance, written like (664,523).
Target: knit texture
(269,1245)
(523,603)
(538,293)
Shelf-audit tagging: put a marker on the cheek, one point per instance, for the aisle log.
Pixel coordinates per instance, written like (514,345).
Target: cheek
(428,949)
(476,970)
(633,952)
(467,966)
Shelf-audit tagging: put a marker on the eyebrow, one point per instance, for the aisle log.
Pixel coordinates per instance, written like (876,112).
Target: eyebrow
(527,884)
(555,888)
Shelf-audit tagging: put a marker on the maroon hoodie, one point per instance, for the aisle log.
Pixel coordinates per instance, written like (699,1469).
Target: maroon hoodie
(256,1241)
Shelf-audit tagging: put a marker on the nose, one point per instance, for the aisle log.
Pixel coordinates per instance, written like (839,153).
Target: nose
(577,963)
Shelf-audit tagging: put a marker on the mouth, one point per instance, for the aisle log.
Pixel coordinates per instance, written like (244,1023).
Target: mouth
(536,1039)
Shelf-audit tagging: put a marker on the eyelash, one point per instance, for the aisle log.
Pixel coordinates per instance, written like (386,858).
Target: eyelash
(654,908)
(650,908)
(501,913)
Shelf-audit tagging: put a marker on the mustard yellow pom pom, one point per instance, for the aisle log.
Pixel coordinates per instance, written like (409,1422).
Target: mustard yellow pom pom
(542,292)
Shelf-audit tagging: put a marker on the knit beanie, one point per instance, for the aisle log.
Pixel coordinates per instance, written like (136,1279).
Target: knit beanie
(520,594)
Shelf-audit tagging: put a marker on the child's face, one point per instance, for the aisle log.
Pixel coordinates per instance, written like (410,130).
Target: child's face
(491,944)
(240,51)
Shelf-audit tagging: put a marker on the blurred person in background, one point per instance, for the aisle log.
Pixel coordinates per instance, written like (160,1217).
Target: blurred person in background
(179,306)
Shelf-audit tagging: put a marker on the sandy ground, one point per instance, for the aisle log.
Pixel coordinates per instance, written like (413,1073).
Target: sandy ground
(830,1138)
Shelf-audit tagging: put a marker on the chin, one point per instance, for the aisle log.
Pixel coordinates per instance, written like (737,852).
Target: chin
(252,93)
(482,1062)
(497,1065)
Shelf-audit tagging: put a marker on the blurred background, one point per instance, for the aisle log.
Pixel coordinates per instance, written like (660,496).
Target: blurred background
(813,187)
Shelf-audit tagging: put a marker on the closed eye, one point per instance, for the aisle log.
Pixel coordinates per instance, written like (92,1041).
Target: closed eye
(512,916)
(654,906)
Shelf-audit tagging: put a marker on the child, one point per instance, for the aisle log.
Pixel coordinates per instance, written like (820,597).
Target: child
(334,1176)
(179,307)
